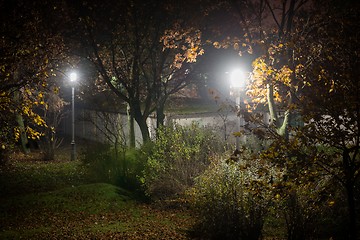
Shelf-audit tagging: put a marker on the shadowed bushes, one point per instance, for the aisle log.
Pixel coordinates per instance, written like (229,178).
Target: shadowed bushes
(178,155)
(121,168)
(231,203)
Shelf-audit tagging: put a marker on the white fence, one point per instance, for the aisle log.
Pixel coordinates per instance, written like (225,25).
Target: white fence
(104,127)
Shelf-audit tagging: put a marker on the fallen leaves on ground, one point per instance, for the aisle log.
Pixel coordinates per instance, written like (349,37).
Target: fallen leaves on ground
(38,201)
(142,221)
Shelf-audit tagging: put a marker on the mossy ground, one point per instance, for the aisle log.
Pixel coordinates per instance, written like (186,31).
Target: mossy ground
(58,200)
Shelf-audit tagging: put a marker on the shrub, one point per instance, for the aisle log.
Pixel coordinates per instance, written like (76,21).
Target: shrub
(315,210)
(232,200)
(121,168)
(178,155)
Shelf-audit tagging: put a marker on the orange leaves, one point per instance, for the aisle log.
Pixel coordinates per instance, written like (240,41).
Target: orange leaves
(192,53)
(217,45)
(186,43)
(242,46)
(266,74)
(284,75)
(261,75)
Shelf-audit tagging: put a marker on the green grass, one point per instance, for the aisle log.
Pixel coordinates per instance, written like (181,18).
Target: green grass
(57,200)
(42,211)
(21,177)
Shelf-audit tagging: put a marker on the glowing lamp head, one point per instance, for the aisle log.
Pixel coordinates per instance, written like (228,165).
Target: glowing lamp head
(237,79)
(73,77)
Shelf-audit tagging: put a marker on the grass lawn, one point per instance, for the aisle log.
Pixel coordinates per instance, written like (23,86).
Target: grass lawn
(57,200)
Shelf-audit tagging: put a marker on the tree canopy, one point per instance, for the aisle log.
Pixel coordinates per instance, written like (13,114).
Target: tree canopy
(142,51)
(30,50)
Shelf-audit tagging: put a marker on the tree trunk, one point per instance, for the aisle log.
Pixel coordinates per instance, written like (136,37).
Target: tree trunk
(281,127)
(143,128)
(23,137)
(160,116)
(352,211)
(349,186)
(20,121)
(271,105)
(141,121)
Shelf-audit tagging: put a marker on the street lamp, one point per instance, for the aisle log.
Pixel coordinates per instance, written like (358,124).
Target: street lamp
(73,78)
(237,81)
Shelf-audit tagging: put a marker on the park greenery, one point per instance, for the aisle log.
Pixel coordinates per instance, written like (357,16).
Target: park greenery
(294,177)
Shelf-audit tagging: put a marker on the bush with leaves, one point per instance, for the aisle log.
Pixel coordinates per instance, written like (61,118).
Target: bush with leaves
(179,154)
(311,210)
(306,194)
(121,168)
(232,199)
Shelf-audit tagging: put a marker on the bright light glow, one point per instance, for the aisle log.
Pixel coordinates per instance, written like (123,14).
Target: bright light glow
(73,77)
(237,78)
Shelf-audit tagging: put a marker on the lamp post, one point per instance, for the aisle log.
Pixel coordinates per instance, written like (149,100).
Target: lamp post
(73,78)
(237,80)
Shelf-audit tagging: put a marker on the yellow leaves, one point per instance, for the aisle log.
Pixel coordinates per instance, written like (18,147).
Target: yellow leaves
(201,52)
(216,45)
(306,83)
(28,91)
(322,74)
(236,46)
(17,133)
(56,90)
(250,50)
(186,44)
(240,45)
(284,75)
(265,72)
(299,68)
(33,134)
(261,71)
(332,87)
(39,121)
(30,132)
(192,53)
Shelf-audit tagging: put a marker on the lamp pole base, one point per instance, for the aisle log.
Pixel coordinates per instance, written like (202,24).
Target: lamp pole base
(73,151)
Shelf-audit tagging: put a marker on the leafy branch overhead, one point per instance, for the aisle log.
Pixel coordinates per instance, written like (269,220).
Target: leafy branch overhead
(186,43)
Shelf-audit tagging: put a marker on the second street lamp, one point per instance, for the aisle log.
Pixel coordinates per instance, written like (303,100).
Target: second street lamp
(73,79)
(237,81)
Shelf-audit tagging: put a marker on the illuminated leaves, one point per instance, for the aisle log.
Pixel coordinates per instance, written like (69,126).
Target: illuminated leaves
(185,42)
(242,46)
(30,52)
(284,75)
(264,75)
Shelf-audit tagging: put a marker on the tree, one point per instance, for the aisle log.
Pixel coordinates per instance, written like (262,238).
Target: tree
(310,69)
(306,67)
(142,51)
(274,80)
(29,50)
(52,112)
(264,32)
(330,103)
